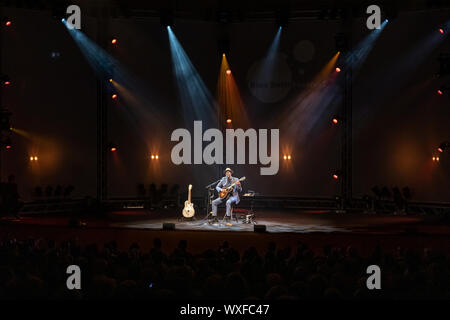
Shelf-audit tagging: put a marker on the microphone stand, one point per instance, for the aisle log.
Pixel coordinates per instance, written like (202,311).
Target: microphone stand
(210,189)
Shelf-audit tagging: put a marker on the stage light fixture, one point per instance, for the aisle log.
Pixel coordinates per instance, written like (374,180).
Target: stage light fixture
(31,158)
(228,72)
(113,149)
(157,157)
(443,146)
(111,80)
(440,92)
(229,121)
(282,18)
(335,120)
(8,23)
(224,45)
(337,174)
(289,157)
(152,157)
(114,96)
(6,81)
(285,157)
(8,147)
(338,69)
(166,18)
(114,41)
(441,30)
(341,42)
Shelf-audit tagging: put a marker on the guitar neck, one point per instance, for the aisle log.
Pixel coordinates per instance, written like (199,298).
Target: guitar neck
(189,196)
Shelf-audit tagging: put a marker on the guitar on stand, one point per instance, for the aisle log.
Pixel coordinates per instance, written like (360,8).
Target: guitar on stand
(188,210)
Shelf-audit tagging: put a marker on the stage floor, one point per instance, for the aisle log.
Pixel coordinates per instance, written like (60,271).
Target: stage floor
(314,227)
(286,221)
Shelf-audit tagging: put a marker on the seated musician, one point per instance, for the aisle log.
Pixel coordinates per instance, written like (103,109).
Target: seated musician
(234,195)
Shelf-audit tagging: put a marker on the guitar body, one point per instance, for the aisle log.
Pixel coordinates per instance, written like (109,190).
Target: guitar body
(226,192)
(188,210)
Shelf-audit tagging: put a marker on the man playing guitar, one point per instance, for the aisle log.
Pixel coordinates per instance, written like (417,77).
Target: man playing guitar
(221,187)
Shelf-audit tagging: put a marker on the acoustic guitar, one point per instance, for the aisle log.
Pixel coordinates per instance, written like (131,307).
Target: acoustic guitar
(228,190)
(188,210)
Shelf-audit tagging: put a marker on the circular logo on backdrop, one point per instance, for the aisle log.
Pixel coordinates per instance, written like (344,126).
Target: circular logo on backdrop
(270,81)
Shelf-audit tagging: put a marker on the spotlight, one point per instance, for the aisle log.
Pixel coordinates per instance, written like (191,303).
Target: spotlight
(437,159)
(6,81)
(31,158)
(228,72)
(113,149)
(152,157)
(443,146)
(8,23)
(114,96)
(166,18)
(338,69)
(289,157)
(8,147)
(441,31)
(35,158)
(335,120)
(434,158)
(114,41)
(224,45)
(285,157)
(229,121)
(341,42)
(336,175)
(282,18)
(440,92)
(157,157)
(111,80)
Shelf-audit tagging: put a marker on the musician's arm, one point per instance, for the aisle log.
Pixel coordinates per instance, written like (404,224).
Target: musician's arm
(239,187)
(219,186)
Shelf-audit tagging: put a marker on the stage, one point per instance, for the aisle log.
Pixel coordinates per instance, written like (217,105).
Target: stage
(285,227)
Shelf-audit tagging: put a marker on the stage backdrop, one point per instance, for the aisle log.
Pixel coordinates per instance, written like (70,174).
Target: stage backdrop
(398,118)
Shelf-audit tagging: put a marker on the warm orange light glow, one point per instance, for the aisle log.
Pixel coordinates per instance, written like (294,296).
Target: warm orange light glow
(153,156)
(114,96)
(114,41)
(8,23)
(229,121)
(338,69)
(113,149)
(110,80)
(335,120)
(35,158)
(441,31)
(31,158)
(437,158)
(289,157)
(157,157)
(285,157)
(335,176)
(229,97)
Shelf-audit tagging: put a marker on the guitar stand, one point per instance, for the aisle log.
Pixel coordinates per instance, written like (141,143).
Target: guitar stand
(183,219)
